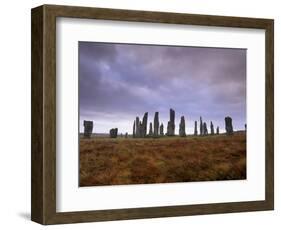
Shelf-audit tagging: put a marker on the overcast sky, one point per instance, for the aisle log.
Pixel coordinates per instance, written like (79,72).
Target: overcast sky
(118,82)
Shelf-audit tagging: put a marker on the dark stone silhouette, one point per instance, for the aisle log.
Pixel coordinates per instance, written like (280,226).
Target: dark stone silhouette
(212,128)
(113,132)
(143,127)
(182,127)
(137,134)
(156,124)
(161,129)
(205,130)
(218,130)
(150,130)
(134,129)
(88,128)
(126,135)
(195,129)
(140,127)
(171,124)
(245,127)
(201,127)
(228,125)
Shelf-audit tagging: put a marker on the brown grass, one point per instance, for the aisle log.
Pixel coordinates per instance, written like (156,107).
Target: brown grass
(105,161)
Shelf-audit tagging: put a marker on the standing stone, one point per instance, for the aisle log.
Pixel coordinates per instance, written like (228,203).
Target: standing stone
(144,125)
(171,124)
(113,132)
(168,125)
(137,127)
(212,129)
(161,129)
(228,125)
(218,130)
(126,135)
(201,126)
(150,130)
(245,127)
(205,130)
(134,129)
(195,129)
(156,124)
(140,132)
(182,127)
(88,128)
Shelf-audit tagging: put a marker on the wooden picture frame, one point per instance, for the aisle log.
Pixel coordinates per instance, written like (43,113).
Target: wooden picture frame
(43,202)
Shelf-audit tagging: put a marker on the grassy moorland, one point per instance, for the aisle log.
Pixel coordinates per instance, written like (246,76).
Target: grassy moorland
(105,161)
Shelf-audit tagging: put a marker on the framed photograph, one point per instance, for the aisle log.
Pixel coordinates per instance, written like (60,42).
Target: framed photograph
(140,114)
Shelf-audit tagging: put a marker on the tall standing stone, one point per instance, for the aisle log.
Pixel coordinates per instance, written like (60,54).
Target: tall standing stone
(245,127)
(144,125)
(161,129)
(218,130)
(205,129)
(156,124)
(137,127)
(168,125)
(140,125)
(88,128)
(182,127)
(212,128)
(150,130)
(195,129)
(171,124)
(113,132)
(228,125)
(201,126)
(134,129)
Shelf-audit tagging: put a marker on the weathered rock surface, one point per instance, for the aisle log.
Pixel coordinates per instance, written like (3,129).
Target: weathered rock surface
(143,127)
(140,127)
(201,127)
(205,129)
(195,129)
(212,129)
(134,129)
(156,124)
(171,124)
(150,130)
(137,134)
(113,132)
(182,127)
(88,128)
(161,129)
(228,125)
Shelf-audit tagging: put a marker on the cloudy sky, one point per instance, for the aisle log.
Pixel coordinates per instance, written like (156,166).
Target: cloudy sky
(118,82)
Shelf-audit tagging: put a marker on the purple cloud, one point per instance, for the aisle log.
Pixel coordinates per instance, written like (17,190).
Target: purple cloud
(118,82)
